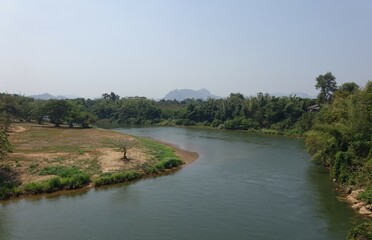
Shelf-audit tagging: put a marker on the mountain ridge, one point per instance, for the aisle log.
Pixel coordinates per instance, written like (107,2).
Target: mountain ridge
(182,94)
(48,96)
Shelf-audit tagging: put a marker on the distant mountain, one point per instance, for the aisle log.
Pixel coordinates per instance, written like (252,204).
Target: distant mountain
(47,96)
(298,94)
(183,94)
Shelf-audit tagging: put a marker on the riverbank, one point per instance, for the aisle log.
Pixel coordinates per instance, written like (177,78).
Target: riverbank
(359,205)
(48,159)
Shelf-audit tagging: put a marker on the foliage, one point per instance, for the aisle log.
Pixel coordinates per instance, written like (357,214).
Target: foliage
(110,178)
(341,136)
(366,195)
(362,231)
(167,163)
(5,146)
(327,85)
(8,191)
(56,183)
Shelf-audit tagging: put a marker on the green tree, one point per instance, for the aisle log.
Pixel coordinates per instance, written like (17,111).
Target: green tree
(327,85)
(349,87)
(5,146)
(57,111)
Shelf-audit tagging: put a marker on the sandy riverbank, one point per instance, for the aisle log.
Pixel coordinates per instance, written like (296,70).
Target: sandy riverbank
(42,152)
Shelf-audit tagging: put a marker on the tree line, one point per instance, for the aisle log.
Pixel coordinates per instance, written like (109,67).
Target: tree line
(337,126)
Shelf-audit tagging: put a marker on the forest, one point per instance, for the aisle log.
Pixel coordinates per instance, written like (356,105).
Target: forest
(337,126)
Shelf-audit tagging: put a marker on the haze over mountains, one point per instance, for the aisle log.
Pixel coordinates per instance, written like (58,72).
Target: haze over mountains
(177,94)
(182,94)
(47,96)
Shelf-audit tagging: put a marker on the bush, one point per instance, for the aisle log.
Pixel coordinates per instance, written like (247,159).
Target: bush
(76,181)
(340,169)
(366,196)
(8,190)
(168,163)
(110,178)
(361,232)
(5,146)
(57,183)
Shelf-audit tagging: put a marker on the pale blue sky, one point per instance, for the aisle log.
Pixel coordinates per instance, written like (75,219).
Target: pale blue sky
(147,48)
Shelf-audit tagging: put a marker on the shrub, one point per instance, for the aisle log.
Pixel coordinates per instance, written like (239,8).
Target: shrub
(361,232)
(168,163)
(76,181)
(366,196)
(57,183)
(340,169)
(109,178)
(8,190)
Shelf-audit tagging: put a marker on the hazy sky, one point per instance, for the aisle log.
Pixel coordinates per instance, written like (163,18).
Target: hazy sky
(147,48)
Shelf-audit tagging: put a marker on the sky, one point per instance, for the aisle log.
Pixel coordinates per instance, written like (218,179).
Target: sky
(149,47)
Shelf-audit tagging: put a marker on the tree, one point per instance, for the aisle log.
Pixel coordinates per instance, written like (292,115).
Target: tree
(122,145)
(8,110)
(57,110)
(349,87)
(5,146)
(327,85)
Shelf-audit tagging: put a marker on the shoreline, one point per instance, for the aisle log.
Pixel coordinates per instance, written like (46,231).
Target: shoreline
(187,157)
(358,205)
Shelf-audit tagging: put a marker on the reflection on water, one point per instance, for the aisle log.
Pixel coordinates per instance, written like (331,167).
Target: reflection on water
(243,186)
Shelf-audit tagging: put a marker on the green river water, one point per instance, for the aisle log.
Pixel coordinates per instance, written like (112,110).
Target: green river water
(243,186)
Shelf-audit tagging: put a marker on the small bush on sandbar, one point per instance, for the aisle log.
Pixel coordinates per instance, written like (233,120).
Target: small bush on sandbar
(109,178)
(167,163)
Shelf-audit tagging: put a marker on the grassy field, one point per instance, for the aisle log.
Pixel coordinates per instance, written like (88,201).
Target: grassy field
(48,159)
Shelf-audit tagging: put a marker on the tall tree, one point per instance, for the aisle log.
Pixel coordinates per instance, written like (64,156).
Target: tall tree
(57,111)
(327,85)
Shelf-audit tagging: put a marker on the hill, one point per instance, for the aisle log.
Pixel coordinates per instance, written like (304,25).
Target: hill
(182,94)
(47,96)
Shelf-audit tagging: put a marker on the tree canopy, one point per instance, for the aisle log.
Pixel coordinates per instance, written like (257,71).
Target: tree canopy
(327,85)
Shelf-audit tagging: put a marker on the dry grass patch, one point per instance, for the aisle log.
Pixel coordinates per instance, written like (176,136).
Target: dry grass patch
(39,146)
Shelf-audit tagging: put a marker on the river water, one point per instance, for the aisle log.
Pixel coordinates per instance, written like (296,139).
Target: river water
(243,186)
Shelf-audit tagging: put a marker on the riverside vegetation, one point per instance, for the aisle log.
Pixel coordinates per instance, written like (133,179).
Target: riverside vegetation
(338,135)
(47,159)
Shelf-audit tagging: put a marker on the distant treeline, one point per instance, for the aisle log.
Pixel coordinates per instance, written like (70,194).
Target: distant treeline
(234,112)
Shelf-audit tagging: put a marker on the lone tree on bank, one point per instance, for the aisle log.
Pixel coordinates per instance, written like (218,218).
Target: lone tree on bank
(327,85)
(122,145)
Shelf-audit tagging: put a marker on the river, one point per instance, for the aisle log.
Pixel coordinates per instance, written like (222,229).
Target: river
(243,186)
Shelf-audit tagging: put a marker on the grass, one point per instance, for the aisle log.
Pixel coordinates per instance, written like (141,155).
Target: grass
(159,151)
(56,183)
(366,196)
(362,231)
(164,157)
(48,159)
(61,171)
(111,178)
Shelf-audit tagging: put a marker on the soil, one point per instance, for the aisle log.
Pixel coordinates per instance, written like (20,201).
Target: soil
(40,146)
